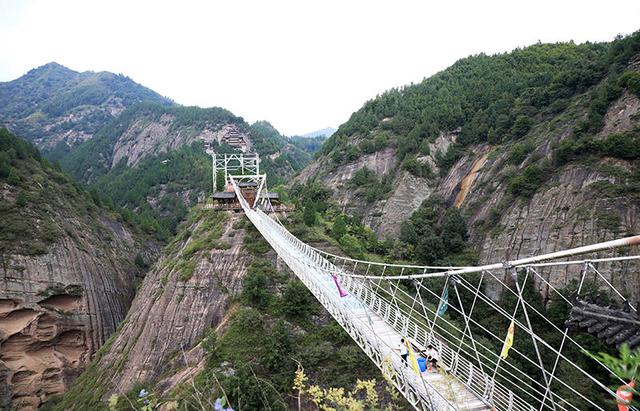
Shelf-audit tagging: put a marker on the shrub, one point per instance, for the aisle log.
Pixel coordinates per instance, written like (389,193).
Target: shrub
(526,184)
(417,168)
(631,80)
(21,198)
(187,269)
(297,301)
(521,126)
(255,288)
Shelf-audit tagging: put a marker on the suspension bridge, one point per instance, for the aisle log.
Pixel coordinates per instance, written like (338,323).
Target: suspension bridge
(379,304)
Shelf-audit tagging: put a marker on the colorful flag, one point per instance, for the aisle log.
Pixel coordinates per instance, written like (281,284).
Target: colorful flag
(342,292)
(444,302)
(508,342)
(412,357)
(625,395)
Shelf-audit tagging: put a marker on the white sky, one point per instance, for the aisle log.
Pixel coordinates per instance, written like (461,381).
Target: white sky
(301,65)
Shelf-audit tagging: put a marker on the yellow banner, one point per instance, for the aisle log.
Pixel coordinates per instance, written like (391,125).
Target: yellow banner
(508,342)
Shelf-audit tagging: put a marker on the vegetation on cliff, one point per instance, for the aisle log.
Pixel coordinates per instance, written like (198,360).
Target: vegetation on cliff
(51,100)
(39,203)
(493,99)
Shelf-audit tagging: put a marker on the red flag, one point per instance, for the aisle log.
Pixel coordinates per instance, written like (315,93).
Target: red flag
(342,292)
(625,395)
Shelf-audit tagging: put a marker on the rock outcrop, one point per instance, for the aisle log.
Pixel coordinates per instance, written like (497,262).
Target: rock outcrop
(67,277)
(57,309)
(172,310)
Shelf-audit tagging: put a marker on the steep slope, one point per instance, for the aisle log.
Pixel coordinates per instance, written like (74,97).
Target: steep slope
(68,275)
(536,96)
(151,160)
(538,149)
(58,108)
(216,312)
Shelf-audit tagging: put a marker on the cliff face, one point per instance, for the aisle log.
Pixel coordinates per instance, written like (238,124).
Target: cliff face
(57,309)
(581,203)
(185,293)
(591,198)
(67,278)
(408,191)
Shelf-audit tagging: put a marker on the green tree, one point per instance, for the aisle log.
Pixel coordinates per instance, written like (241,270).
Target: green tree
(454,231)
(297,301)
(21,198)
(13,178)
(5,164)
(521,126)
(255,288)
(339,227)
(309,215)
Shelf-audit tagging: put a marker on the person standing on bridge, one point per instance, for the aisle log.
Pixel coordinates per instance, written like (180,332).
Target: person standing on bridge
(404,351)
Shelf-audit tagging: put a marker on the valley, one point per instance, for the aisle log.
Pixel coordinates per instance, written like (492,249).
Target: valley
(115,279)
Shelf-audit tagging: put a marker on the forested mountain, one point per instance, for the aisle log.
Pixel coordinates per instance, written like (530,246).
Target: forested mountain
(150,160)
(494,158)
(140,151)
(488,133)
(55,106)
(69,268)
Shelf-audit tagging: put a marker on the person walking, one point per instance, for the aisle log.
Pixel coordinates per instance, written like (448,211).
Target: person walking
(404,351)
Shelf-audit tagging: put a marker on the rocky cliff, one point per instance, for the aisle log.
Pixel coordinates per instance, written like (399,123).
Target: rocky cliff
(569,178)
(67,277)
(185,293)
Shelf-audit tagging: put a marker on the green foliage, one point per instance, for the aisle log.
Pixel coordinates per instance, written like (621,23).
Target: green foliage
(309,215)
(520,151)
(631,80)
(447,160)
(186,270)
(417,168)
(351,246)
(521,126)
(139,261)
(13,178)
(625,366)
(265,138)
(162,178)
(21,198)
(527,182)
(35,102)
(493,98)
(43,195)
(309,145)
(339,227)
(366,183)
(256,283)
(434,235)
(625,146)
(297,301)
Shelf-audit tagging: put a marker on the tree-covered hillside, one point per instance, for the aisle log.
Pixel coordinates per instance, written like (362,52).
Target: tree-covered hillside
(95,157)
(491,99)
(171,167)
(54,105)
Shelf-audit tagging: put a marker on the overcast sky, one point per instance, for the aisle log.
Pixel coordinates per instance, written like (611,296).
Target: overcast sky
(299,64)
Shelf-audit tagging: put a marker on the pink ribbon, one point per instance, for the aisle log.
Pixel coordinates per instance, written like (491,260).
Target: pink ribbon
(342,292)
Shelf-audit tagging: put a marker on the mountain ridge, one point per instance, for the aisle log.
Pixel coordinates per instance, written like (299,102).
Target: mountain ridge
(53,105)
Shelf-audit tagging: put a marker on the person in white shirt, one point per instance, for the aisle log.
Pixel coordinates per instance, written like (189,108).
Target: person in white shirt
(404,352)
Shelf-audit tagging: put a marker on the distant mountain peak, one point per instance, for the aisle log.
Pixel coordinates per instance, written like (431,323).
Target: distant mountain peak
(327,132)
(52,66)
